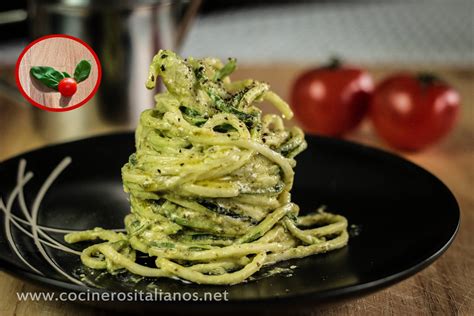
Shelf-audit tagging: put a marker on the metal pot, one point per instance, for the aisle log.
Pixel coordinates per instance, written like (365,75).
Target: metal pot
(125,34)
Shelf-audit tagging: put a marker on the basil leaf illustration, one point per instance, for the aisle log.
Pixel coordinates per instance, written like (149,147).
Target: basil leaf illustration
(66,75)
(49,76)
(82,71)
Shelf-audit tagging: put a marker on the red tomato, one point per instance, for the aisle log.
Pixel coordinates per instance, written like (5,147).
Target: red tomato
(331,100)
(67,87)
(412,112)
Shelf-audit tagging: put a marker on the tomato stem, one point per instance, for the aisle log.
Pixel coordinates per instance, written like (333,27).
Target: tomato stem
(334,63)
(428,79)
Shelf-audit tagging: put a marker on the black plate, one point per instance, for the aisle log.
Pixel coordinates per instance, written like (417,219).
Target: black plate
(402,217)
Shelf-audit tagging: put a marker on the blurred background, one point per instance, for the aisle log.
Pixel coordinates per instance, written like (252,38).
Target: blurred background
(273,40)
(364,31)
(268,31)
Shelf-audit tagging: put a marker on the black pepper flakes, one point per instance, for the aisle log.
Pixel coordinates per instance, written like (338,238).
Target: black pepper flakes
(164,56)
(181,164)
(163,68)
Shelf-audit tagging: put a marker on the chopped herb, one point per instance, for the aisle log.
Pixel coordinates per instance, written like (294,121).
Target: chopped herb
(226,70)
(224,128)
(193,116)
(133,159)
(221,105)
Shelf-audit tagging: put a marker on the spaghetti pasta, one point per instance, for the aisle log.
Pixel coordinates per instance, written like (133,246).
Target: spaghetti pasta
(210,182)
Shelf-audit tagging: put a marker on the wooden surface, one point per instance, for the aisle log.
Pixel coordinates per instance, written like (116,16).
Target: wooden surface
(63,54)
(444,288)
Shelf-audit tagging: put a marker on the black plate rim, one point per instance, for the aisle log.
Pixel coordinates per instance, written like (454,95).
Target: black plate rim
(289,299)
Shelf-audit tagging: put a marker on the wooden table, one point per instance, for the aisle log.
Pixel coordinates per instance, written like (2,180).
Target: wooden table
(444,288)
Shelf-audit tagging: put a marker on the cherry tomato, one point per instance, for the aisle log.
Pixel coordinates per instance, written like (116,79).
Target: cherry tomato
(411,112)
(331,100)
(67,87)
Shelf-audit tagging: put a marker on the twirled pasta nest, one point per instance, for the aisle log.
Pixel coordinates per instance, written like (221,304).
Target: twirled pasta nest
(210,182)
